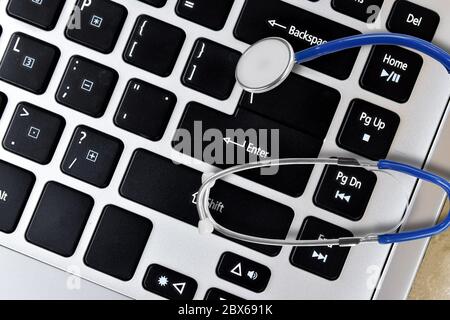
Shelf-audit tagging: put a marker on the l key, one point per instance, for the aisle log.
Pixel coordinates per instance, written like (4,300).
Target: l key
(28,63)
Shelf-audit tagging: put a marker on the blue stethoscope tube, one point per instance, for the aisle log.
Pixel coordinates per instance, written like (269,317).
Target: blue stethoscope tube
(423,175)
(375,39)
(406,41)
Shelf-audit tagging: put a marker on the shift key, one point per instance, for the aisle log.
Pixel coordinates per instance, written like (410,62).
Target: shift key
(170,188)
(303,29)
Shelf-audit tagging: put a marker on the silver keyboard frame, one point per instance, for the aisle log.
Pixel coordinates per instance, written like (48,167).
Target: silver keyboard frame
(373,271)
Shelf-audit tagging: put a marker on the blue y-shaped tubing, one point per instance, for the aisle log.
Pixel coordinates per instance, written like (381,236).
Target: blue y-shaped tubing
(423,175)
(410,42)
(375,39)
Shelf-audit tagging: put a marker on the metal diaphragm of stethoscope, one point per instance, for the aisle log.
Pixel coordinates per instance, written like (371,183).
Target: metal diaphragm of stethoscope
(263,67)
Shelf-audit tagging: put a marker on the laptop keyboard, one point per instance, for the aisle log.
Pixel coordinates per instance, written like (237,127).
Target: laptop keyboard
(94,92)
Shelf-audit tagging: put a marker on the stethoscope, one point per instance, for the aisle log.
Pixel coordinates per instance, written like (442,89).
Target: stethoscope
(263,67)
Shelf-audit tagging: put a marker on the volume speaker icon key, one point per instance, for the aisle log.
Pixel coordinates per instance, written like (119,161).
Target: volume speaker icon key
(253,275)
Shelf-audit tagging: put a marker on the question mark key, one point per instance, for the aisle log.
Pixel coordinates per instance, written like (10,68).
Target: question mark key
(92,156)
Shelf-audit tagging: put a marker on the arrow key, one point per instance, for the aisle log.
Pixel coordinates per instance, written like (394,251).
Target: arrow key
(169,284)
(326,262)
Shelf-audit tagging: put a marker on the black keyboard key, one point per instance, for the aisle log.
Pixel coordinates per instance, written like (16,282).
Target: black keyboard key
(210,14)
(169,284)
(295,104)
(96,24)
(409,18)
(215,294)
(247,136)
(3,102)
(34,133)
(324,261)
(28,63)
(345,191)
(391,72)
(303,29)
(87,86)
(368,130)
(154,45)
(230,207)
(145,109)
(151,178)
(15,188)
(92,156)
(59,219)
(243,272)
(40,13)
(155,3)
(365,10)
(118,243)
(211,68)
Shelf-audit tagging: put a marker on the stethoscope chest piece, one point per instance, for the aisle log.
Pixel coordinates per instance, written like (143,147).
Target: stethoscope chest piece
(265,65)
